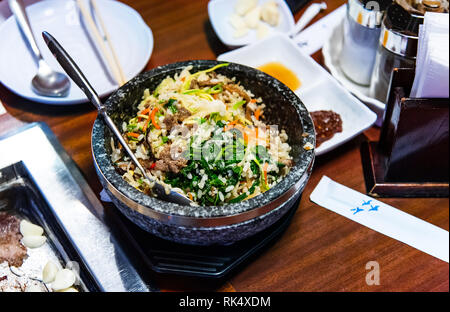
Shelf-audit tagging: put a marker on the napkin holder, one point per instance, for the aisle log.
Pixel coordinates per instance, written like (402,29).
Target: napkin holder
(411,158)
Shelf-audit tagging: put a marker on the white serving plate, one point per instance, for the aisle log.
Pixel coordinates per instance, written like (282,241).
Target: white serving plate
(131,37)
(319,90)
(331,54)
(219,12)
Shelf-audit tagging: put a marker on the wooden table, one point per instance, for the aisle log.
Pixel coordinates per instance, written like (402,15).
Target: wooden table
(321,250)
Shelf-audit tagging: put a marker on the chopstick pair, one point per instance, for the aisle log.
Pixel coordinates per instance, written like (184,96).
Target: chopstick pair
(109,54)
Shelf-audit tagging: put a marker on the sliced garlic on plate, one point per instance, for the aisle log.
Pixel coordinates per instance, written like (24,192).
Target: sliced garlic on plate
(49,272)
(244,6)
(63,279)
(252,17)
(29,229)
(33,241)
(270,13)
(237,22)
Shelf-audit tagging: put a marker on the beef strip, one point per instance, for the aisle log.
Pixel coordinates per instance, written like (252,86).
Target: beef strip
(234,88)
(166,163)
(173,119)
(11,250)
(182,113)
(146,163)
(207,83)
(194,84)
(169,121)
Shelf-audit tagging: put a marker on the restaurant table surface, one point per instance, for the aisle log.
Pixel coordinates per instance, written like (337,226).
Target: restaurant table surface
(321,250)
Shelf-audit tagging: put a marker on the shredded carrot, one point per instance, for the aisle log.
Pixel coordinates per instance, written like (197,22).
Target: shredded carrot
(246,138)
(191,197)
(183,78)
(265,171)
(257,113)
(133,134)
(152,116)
(252,101)
(145,111)
(146,125)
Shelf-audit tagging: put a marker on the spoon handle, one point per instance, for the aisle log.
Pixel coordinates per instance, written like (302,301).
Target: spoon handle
(18,9)
(72,69)
(74,72)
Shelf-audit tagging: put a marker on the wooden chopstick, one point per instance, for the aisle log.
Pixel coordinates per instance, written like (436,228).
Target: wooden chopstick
(101,43)
(108,40)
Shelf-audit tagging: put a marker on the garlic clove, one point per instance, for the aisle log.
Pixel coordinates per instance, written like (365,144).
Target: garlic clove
(33,241)
(270,13)
(63,279)
(252,17)
(244,6)
(237,22)
(49,272)
(29,229)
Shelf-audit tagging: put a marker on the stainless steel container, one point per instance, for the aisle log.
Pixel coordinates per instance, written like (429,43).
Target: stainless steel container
(397,48)
(361,32)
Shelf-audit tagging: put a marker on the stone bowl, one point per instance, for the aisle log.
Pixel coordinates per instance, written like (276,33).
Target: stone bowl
(207,225)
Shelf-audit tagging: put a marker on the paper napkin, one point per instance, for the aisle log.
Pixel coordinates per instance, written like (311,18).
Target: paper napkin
(314,37)
(432,63)
(382,218)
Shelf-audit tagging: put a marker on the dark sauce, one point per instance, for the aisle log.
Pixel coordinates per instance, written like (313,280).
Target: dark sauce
(327,124)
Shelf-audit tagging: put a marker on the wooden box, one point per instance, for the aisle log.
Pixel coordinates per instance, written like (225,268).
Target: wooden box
(411,158)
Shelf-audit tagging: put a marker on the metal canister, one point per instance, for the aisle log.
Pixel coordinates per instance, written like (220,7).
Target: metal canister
(361,32)
(397,48)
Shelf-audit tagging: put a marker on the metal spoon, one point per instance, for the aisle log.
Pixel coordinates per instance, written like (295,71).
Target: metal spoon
(47,82)
(77,76)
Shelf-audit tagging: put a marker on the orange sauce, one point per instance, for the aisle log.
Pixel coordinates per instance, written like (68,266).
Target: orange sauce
(282,73)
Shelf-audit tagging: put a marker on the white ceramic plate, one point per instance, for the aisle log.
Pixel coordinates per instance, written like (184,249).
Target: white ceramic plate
(220,11)
(131,37)
(318,91)
(331,52)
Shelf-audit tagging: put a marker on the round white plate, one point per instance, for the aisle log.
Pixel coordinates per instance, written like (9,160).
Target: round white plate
(219,12)
(131,37)
(331,52)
